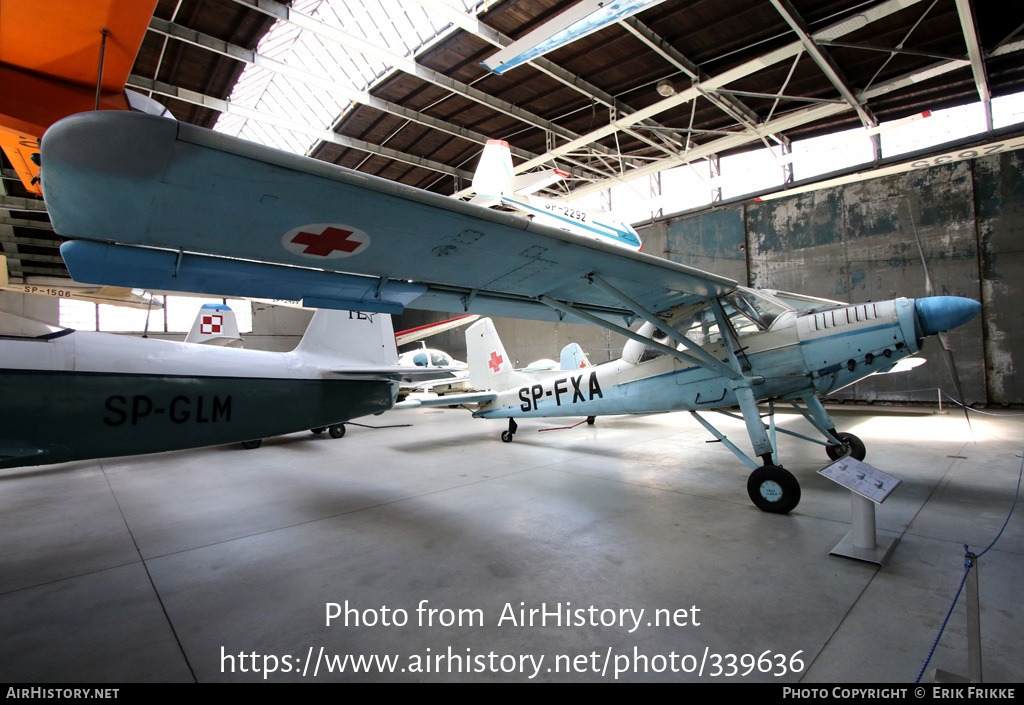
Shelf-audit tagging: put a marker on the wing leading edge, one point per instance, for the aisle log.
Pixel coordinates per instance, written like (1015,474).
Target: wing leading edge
(130,180)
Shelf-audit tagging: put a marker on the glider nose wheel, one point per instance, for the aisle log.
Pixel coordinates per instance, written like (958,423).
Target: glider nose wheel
(252,445)
(851,445)
(773,489)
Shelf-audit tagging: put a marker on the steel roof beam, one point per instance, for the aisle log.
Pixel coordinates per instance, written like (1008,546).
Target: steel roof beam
(409,66)
(474,26)
(251,57)
(966,13)
(825,62)
(15,203)
(735,109)
(788,51)
(226,106)
(794,119)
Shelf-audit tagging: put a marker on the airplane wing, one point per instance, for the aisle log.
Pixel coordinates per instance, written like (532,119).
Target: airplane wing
(131,182)
(411,335)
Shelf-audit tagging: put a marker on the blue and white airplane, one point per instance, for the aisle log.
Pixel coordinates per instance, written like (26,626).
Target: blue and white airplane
(495,182)
(153,203)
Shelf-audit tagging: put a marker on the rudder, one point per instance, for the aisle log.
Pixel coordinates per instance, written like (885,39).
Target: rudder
(351,337)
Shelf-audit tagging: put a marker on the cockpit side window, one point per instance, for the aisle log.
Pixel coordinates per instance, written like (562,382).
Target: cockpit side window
(747,311)
(759,309)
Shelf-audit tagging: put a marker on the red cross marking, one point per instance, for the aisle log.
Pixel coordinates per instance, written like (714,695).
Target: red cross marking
(325,243)
(583,363)
(495,362)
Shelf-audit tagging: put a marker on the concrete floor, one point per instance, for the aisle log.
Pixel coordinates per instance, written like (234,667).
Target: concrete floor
(159,568)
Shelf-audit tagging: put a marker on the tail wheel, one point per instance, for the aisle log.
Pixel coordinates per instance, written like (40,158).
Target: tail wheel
(773,489)
(851,445)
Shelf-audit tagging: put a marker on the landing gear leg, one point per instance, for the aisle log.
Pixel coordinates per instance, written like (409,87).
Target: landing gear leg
(506,436)
(839,444)
(770,487)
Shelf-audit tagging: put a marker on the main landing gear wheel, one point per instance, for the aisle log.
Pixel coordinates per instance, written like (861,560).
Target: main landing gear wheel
(337,430)
(851,445)
(506,437)
(773,489)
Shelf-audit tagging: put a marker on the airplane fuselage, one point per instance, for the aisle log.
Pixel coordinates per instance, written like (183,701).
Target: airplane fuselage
(107,395)
(803,352)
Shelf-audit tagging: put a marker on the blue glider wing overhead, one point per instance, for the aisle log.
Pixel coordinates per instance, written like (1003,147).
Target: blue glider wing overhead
(129,180)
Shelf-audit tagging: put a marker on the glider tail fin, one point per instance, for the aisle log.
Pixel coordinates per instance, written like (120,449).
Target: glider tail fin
(351,338)
(215,324)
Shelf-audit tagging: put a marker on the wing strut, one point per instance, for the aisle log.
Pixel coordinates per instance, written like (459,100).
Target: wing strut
(707,361)
(688,359)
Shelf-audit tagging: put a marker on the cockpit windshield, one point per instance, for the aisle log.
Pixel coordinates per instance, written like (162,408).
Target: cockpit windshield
(746,310)
(12,326)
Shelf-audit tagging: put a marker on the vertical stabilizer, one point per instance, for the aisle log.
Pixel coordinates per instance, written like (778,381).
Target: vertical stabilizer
(489,365)
(573,357)
(494,170)
(349,337)
(215,325)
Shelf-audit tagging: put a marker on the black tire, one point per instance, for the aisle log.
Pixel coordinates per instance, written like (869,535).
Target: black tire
(318,430)
(506,436)
(852,446)
(773,489)
(337,430)
(590,420)
(252,445)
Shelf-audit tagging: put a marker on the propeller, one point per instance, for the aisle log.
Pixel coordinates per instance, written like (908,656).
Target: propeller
(940,331)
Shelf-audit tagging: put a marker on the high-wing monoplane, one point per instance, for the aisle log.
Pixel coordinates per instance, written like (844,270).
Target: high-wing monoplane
(150,201)
(496,183)
(74,395)
(59,288)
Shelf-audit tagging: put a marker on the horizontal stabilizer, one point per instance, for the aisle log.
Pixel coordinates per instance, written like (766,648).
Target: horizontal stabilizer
(526,184)
(448,400)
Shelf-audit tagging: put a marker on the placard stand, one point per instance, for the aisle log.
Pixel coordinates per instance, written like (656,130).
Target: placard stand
(868,486)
